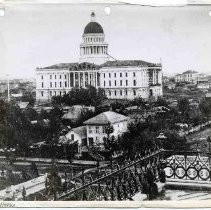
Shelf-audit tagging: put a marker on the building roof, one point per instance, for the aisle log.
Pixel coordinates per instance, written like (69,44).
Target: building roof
(22,104)
(93,28)
(105,118)
(81,131)
(190,72)
(72,66)
(92,66)
(129,63)
(73,113)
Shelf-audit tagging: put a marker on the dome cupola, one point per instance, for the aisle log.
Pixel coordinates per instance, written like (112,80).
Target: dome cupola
(93,27)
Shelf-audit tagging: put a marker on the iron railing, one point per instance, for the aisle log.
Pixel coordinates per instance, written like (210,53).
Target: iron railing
(118,181)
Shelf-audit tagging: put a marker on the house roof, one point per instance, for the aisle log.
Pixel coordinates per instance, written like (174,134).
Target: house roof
(105,118)
(73,113)
(23,105)
(81,131)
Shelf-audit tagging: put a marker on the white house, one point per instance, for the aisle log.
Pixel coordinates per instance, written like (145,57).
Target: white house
(77,135)
(96,127)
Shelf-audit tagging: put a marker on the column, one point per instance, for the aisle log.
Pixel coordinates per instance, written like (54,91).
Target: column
(88,78)
(84,79)
(79,80)
(95,79)
(67,80)
(73,79)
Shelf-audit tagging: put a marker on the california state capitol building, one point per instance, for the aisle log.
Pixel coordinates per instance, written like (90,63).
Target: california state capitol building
(120,79)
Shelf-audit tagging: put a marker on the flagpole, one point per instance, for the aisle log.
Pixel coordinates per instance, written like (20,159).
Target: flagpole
(8,88)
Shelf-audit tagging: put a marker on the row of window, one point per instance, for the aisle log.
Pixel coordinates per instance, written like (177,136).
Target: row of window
(121,92)
(60,84)
(55,76)
(53,93)
(120,83)
(94,39)
(55,84)
(96,129)
(120,74)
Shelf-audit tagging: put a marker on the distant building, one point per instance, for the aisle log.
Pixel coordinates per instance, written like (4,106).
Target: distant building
(187,76)
(191,77)
(203,86)
(125,79)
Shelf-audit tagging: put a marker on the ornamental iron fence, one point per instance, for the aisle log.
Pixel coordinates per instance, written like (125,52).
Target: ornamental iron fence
(119,181)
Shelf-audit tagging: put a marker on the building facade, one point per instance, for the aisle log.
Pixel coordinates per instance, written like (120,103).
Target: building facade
(187,76)
(131,79)
(120,79)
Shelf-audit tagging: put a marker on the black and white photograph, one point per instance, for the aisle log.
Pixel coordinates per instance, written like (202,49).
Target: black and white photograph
(105,102)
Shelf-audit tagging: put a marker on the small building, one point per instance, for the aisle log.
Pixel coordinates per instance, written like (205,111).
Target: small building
(77,135)
(74,112)
(203,86)
(23,105)
(96,127)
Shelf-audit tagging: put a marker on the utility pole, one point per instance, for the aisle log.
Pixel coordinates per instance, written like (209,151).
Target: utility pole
(8,88)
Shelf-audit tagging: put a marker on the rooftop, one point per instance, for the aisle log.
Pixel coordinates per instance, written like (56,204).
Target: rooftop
(72,66)
(105,118)
(73,113)
(86,65)
(81,131)
(190,72)
(129,63)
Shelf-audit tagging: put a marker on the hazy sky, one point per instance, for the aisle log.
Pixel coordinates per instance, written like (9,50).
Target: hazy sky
(42,35)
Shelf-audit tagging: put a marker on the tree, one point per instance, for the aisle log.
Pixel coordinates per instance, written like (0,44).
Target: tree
(28,97)
(183,105)
(30,114)
(88,96)
(184,108)
(161,102)
(53,182)
(109,141)
(56,101)
(205,108)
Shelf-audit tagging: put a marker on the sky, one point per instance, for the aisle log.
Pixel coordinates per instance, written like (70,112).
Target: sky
(41,35)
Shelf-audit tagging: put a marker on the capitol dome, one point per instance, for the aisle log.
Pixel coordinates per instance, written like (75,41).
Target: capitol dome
(93,28)
(93,49)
